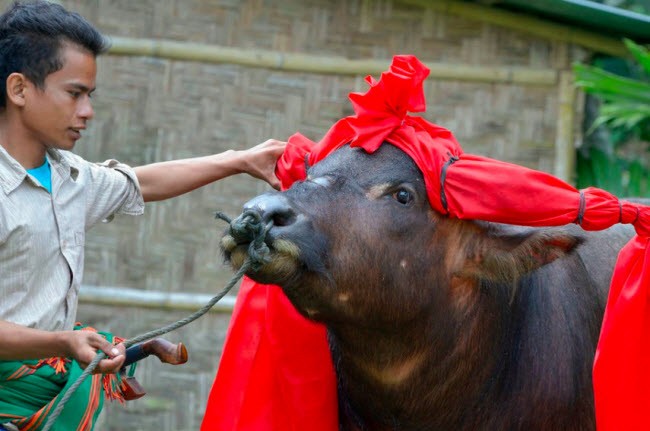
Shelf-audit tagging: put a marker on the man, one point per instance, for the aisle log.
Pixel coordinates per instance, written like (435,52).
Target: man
(49,197)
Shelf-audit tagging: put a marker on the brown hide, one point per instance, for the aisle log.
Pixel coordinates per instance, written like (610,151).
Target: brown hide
(434,323)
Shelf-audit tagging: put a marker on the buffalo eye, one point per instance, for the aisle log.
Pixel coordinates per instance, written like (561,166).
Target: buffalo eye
(403,196)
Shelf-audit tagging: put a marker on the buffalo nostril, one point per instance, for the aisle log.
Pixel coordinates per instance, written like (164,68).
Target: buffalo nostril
(284,218)
(273,208)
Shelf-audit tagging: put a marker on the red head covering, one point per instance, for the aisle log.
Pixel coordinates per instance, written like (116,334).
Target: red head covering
(381,114)
(295,386)
(475,187)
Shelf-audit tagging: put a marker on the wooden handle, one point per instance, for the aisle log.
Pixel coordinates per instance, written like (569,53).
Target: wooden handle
(167,352)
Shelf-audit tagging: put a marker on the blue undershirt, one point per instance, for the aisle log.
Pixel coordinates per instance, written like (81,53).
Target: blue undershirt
(43,175)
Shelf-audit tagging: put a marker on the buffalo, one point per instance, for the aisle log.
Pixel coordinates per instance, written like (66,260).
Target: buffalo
(436,323)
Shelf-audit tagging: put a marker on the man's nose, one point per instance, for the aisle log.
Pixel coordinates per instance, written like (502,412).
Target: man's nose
(86,109)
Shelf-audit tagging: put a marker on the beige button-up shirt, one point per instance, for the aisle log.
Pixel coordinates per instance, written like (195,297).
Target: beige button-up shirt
(42,234)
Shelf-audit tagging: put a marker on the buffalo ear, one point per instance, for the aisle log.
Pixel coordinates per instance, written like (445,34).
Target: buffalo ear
(507,257)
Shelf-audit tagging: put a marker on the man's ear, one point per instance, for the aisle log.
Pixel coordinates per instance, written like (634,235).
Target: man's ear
(16,87)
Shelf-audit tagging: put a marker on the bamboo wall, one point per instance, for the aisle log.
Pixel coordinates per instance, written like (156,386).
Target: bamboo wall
(154,108)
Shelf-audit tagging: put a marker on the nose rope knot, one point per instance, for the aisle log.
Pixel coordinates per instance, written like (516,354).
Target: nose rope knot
(249,227)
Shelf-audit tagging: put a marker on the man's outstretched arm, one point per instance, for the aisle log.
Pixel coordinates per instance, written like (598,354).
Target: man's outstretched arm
(164,180)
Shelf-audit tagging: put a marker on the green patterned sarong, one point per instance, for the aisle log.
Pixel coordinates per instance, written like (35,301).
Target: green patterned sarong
(31,390)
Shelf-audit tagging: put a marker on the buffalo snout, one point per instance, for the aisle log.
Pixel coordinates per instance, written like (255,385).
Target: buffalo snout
(268,223)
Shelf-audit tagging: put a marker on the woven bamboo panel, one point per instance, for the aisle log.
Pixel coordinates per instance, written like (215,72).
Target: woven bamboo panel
(150,110)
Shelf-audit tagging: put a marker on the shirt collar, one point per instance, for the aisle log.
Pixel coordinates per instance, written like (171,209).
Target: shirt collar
(12,173)
(64,166)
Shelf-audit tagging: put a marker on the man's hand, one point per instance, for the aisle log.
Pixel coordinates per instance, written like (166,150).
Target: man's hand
(19,342)
(84,346)
(261,159)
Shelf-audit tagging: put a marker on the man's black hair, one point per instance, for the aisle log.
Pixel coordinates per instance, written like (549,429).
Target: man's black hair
(32,35)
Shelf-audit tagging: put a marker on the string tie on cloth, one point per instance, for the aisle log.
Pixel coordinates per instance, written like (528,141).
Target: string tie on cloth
(443,175)
(600,209)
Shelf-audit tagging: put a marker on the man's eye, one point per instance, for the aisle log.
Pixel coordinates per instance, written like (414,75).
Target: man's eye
(75,94)
(403,196)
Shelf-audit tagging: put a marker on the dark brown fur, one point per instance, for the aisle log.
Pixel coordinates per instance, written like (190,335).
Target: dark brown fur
(434,323)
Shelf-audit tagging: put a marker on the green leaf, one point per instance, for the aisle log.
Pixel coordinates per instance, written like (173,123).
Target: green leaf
(611,87)
(631,117)
(640,53)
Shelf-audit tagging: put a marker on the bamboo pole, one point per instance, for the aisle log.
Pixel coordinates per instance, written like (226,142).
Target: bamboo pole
(295,62)
(565,152)
(527,24)
(172,301)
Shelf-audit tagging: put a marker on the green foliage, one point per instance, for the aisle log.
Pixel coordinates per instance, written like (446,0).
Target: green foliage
(626,101)
(618,165)
(617,175)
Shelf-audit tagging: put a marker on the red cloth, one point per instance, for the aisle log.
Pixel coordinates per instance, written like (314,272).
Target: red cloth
(276,372)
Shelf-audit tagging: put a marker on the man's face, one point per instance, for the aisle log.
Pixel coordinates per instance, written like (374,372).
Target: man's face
(55,115)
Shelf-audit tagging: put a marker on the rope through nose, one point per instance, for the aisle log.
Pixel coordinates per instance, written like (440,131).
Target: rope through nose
(250,228)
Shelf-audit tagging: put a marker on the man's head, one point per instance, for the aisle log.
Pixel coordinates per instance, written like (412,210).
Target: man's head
(32,37)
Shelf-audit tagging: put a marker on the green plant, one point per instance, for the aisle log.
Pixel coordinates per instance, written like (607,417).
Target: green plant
(617,140)
(626,100)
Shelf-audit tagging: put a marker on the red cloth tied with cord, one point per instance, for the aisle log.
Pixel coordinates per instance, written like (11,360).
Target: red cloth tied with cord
(276,371)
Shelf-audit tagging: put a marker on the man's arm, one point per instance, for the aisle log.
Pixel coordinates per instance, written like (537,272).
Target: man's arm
(164,180)
(19,342)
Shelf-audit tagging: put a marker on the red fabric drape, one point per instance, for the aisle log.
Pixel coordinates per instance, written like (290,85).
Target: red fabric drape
(276,372)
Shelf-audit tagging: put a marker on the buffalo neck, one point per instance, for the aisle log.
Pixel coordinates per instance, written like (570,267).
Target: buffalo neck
(440,367)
